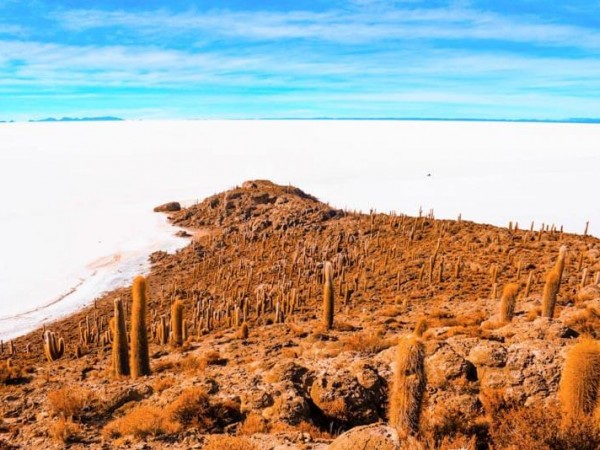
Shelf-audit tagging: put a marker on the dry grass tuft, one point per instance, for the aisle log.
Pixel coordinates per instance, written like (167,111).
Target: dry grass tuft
(192,407)
(70,402)
(367,342)
(11,373)
(162,384)
(141,422)
(539,427)
(253,424)
(302,427)
(65,431)
(217,442)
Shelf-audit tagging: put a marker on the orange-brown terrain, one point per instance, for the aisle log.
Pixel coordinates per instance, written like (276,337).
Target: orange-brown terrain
(440,322)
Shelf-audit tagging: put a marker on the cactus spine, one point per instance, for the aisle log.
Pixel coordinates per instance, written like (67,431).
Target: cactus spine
(408,386)
(120,350)
(328,297)
(54,347)
(177,323)
(139,357)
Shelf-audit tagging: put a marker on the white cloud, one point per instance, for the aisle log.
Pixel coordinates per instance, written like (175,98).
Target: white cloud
(349,26)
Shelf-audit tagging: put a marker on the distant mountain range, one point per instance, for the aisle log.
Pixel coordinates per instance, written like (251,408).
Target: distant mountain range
(423,119)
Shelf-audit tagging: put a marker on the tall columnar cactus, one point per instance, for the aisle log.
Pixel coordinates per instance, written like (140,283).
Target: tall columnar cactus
(560,262)
(580,381)
(139,357)
(163,331)
(120,345)
(54,347)
(508,301)
(408,386)
(328,297)
(177,323)
(550,293)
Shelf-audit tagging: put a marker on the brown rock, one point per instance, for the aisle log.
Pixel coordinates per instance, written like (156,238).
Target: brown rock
(168,207)
(444,364)
(343,398)
(488,354)
(370,437)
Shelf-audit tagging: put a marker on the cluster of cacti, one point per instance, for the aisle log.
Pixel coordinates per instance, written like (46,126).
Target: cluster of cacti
(54,347)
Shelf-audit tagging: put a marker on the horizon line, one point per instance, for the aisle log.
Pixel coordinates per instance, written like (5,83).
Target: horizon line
(580,120)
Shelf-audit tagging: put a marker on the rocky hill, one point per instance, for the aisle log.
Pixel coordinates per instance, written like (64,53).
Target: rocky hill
(260,368)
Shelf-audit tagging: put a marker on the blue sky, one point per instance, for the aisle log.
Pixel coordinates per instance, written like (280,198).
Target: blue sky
(483,59)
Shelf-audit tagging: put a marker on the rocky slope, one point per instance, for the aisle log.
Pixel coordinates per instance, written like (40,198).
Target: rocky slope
(257,253)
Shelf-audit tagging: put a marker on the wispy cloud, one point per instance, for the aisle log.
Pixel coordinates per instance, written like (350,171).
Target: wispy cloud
(341,26)
(371,56)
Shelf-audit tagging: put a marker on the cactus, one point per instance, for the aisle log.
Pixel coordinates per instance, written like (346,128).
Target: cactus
(177,323)
(560,262)
(420,327)
(580,380)
(139,356)
(550,292)
(508,301)
(328,297)
(244,331)
(163,331)
(54,347)
(120,350)
(408,387)
(528,285)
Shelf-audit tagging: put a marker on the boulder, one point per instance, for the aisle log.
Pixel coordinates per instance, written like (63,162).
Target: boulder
(341,397)
(488,354)
(168,207)
(444,365)
(370,437)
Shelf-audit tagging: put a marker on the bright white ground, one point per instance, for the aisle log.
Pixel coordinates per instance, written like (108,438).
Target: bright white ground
(76,198)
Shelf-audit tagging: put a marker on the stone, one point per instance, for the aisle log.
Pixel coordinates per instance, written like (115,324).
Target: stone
(370,437)
(168,207)
(488,354)
(340,396)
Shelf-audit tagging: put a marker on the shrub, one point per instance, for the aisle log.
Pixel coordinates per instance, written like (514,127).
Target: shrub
(539,427)
(367,342)
(141,422)
(64,430)
(192,407)
(253,424)
(70,402)
(228,442)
